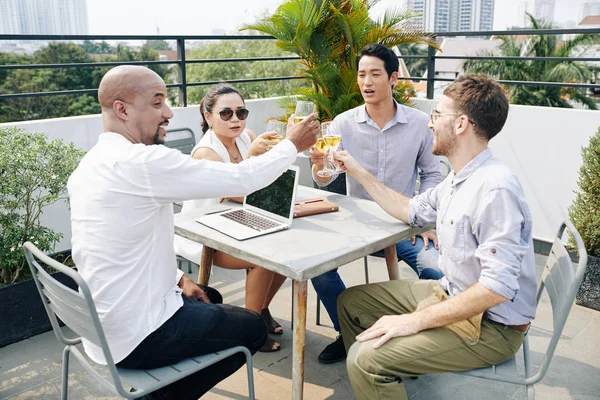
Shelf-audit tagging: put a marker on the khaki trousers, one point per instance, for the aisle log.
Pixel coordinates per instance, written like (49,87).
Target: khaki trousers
(377,374)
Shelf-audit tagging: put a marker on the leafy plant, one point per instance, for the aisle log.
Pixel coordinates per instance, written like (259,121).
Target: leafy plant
(33,174)
(585,210)
(541,71)
(327,35)
(242,70)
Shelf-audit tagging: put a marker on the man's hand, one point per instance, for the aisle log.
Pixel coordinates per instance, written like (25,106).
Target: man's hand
(191,290)
(347,163)
(303,134)
(427,236)
(391,326)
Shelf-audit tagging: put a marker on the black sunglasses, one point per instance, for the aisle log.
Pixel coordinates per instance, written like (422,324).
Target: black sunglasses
(227,113)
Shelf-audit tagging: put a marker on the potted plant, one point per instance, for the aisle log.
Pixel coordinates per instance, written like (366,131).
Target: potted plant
(585,214)
(327,35)
(33,174)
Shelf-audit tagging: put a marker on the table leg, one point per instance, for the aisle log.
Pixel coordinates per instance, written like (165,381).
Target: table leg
(299,338)
(206,261)
(391,260)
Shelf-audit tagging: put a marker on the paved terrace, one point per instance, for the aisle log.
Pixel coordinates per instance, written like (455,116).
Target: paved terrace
(31,368)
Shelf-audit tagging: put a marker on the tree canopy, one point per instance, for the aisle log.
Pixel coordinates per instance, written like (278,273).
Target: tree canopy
(541,71)
(60,79)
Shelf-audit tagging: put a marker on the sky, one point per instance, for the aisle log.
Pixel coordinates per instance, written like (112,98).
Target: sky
(202,17)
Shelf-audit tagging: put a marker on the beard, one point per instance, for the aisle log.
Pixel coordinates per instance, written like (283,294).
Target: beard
(157,139)
(444,143)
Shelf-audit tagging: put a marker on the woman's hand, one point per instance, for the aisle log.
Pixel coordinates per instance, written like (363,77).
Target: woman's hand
(262,143)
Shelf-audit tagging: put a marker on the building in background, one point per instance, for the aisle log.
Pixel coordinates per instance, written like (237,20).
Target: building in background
(44,17)
(453,15)
(544,10)
(590,8)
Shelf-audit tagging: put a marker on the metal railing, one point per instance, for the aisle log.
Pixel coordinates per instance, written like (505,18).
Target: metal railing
(181,62)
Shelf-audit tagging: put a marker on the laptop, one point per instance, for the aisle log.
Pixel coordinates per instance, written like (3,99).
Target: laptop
(265,211)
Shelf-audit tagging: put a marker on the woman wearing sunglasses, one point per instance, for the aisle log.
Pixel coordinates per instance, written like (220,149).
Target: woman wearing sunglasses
(227,140)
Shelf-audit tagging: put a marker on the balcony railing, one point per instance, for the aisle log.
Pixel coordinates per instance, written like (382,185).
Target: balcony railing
(181,63)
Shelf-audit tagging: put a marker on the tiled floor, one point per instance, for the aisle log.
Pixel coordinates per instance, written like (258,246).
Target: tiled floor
(30,369)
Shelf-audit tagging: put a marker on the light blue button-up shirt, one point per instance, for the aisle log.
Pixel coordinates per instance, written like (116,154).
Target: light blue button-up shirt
(391,154)
(485,235)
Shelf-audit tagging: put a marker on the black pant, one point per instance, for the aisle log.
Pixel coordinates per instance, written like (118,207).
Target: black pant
(195,329)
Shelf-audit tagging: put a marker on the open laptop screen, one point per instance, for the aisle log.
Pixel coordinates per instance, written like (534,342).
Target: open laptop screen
(277,198)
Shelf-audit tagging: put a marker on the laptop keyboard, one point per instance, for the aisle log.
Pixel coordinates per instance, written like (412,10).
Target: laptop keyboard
(251,220)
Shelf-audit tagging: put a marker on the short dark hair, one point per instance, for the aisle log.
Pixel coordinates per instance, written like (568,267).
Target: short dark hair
(210,99)
(389,58)
(483,100)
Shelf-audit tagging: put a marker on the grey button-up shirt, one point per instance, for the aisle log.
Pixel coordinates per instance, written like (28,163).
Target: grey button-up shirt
(391,154)
(485,234)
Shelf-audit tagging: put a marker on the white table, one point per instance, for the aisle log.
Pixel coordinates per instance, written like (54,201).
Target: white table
(314,245)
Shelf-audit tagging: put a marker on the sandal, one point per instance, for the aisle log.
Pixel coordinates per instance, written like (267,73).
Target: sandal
(272,325)
(270,346)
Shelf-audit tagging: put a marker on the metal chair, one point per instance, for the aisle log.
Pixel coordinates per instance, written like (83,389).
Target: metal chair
(561,281)
(182,139)
(78,312)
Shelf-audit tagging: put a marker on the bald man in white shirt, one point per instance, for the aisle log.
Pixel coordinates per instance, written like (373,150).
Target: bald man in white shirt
(121,197)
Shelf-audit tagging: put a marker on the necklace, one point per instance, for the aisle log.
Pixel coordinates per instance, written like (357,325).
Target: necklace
(235,158)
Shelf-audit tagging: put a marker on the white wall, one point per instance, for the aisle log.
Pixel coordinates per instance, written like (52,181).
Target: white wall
(541,145)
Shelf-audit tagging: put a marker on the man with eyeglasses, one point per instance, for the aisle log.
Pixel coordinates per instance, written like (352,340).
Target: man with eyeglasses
(477,315)
(394,144)
(121,197)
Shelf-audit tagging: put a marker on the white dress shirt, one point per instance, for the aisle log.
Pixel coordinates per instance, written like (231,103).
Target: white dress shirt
(484,230)
(121,197)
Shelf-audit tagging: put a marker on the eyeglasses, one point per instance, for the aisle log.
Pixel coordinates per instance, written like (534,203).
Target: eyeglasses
(435,114)
(227,113)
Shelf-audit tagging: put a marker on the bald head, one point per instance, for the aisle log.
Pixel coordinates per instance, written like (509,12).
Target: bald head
(124,83)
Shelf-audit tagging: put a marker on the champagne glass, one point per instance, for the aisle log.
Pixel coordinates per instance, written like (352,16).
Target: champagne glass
(322,146)
(278,127)
(303,110)
(333,140)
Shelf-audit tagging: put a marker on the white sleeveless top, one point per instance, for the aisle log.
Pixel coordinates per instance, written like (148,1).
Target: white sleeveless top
(186,248)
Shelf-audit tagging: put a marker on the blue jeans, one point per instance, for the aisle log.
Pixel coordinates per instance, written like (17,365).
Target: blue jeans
(424,262)
(195,329)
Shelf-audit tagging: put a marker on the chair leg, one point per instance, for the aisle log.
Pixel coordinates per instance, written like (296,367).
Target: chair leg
(318,311)
(366,270)
(65,373)
(530,392)
(250,374)
(206,261)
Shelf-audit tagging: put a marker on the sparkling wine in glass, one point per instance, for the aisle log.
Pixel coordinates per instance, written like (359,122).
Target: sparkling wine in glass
(322,146)
(278,127)
(303,110)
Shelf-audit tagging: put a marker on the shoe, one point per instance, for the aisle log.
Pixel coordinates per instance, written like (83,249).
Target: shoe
(334,352)
(270,346)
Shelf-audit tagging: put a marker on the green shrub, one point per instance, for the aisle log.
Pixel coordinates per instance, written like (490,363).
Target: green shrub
(33,174)
(585,210)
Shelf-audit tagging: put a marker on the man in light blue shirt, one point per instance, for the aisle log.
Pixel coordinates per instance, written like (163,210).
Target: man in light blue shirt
(393,143)
(477,314)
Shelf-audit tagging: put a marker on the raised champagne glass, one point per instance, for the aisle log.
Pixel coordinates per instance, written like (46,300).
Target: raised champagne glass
(322,146)
(303,110)
(278,128)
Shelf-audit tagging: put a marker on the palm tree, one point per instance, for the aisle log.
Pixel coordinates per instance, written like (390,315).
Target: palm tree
(416,66)
(327,35)
(541,71)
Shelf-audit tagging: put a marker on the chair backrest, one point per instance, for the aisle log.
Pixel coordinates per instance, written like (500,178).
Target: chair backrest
(182,139)
(561,279)
(75,309)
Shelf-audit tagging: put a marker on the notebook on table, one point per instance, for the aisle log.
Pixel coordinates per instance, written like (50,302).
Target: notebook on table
(265,211)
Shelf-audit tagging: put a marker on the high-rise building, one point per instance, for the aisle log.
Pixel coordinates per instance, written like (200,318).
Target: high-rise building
(453,15)
(44,17)
(590,8)
(544,10)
